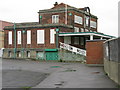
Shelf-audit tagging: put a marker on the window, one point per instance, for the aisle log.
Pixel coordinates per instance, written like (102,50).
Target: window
(86,30)
(82,30)
(67,40)
(40,55)
(76,40)
(28,54)
(93,24)
(87,21)
(28,37)
(10,37)
(52,36)
(9,54)
(19,37)
(40,37)
(55,18)
(76,29)
(18,54)
(81,40)
(78,19)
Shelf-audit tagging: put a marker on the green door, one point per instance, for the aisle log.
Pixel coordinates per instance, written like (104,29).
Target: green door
(51,55)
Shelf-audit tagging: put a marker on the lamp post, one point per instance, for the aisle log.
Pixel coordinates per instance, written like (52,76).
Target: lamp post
(23,32)
(14,40)
(57,38)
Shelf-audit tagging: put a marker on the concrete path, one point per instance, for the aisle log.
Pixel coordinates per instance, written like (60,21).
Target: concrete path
(63,75)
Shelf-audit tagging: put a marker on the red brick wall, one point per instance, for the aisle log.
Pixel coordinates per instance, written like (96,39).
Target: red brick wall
(47,19)
(94,52)
(33,38)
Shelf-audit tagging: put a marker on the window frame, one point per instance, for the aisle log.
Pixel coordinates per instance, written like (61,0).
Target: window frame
(78,19)
(55,18)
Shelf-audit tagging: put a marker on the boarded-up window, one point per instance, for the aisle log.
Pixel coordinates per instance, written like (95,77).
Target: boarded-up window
(93,24)
(19,37)
(40,37)
(78,19)
(28,37)
(52,36)
(10,37)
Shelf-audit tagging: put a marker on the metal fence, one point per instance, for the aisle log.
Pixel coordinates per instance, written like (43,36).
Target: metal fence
(112,50)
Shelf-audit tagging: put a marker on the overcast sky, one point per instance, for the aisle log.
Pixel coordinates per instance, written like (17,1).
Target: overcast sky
(26,11)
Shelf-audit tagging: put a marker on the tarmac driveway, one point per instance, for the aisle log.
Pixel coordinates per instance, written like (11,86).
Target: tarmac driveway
(36,74)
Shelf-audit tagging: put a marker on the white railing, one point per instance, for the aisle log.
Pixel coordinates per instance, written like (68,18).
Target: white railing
(73,49)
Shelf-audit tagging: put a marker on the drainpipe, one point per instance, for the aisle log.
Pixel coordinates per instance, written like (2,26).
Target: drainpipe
(14,41)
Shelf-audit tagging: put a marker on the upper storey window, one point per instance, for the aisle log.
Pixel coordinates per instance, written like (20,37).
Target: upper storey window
(93,24)
(78,19)
(87,21)
(55,18)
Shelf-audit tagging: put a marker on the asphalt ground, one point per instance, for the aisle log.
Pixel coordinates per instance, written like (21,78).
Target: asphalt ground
(37,74)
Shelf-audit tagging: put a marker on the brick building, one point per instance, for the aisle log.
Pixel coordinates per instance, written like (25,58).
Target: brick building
(61,26)
(2,25)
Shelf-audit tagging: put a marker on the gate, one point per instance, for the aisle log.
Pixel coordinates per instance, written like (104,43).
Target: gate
(51,54)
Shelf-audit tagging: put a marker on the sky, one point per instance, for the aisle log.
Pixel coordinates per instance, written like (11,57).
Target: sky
(26,11)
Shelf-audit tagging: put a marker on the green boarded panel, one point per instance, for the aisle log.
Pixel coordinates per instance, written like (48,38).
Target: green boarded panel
(51,55)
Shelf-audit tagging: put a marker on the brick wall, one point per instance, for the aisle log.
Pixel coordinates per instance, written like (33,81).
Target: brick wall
(94,52)
(34,38)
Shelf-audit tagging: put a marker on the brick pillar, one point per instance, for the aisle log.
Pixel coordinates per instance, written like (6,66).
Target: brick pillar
(94,50)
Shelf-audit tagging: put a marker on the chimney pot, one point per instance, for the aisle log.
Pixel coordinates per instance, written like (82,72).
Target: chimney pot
(56,3)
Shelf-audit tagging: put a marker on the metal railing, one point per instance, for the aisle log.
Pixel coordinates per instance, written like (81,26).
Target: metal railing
(73,49)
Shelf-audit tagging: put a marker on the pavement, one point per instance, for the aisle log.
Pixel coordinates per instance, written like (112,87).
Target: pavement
(37,74)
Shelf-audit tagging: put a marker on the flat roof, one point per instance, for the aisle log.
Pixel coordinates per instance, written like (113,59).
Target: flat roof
(86,33)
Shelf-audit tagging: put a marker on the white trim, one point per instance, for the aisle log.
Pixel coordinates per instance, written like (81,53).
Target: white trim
(79,34)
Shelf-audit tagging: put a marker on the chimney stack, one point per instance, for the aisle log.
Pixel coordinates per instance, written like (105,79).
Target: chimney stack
(56,3)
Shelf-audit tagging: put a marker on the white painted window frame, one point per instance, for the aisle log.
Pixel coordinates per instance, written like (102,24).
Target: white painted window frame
(19,37)
(55,18)
(93,24)
(78,19)
(28,36)
(40,36)
(10,37)
(52,36)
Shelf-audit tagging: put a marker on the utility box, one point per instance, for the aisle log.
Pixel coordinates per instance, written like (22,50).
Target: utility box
(94,51)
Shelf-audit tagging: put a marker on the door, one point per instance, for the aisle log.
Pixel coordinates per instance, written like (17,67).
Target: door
(51,55)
